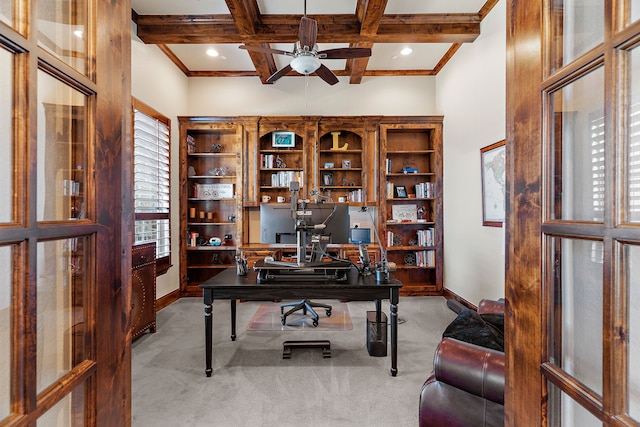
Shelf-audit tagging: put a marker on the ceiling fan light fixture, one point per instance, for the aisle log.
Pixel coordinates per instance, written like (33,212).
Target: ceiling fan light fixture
(305,64)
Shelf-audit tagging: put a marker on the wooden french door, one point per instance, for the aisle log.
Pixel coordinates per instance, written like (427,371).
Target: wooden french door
(65,208)
(573,263)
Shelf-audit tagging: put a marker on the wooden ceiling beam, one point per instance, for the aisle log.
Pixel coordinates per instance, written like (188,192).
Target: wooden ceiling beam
(194,29)
(246,16)
(370,13)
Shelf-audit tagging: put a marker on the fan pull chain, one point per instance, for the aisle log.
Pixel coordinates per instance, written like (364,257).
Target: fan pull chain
(306,87)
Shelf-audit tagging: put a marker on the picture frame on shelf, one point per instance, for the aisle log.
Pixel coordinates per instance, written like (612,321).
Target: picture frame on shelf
(327,179)
(403,213)
(401,192)
(283,139)
(346,164)
(328,165)
(493,175)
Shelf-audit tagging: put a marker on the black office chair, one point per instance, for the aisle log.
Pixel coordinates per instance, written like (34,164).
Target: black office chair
(307,307)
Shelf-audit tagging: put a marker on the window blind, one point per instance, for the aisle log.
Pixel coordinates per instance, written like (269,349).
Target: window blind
(151,182)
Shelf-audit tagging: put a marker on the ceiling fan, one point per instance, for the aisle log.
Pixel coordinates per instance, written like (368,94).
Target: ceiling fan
(305,54)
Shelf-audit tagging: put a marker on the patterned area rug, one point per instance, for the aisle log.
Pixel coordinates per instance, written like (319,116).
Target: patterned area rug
(267,318)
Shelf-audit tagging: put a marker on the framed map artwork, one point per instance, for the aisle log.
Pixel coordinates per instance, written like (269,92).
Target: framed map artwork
(493,164)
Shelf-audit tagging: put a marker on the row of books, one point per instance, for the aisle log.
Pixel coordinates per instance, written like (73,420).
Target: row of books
(424,190)
(356,195)
(425,237)
(269,161)
(387,166)
(426,258)
(390,188)
(284,178)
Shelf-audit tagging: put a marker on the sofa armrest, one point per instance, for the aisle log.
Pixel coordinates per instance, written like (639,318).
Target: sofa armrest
(490,306)
(472,368)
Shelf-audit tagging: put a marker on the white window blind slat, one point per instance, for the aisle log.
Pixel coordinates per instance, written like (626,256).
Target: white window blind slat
(151,181)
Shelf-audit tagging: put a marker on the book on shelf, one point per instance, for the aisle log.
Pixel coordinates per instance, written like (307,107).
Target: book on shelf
(425,237)
(356,195)
(390,188)
(191,144)
(390,238)
(388,165)
(424,190)
(284,178)
(426,258)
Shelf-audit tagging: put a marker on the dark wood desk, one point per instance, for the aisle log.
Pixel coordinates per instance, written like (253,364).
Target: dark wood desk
(228,285)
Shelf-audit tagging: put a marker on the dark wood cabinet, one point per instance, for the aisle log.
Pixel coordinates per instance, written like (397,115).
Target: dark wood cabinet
(143,289)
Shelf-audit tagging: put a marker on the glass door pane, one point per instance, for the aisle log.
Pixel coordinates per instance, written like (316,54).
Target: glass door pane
(63,335)
(6,12)
(6,135)
(632,142)
(62,153)
(577,303)
(632,263)
(62,27)
(577,26)
(578,149)
(6,281)
(564,411)
(635,10)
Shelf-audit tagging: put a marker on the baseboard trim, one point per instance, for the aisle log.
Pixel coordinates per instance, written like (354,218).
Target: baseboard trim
(167,299)
(451,295)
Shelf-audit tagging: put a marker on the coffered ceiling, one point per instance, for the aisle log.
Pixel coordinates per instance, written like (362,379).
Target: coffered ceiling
(185,30)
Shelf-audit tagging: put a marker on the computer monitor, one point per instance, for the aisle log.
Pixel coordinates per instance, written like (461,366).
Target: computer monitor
(278,226)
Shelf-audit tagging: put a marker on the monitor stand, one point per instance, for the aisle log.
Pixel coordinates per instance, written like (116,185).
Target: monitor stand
(312,269)
(323,271)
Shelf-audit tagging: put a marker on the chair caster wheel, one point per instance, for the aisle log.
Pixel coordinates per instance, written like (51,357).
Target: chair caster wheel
(315,323)
(328,313)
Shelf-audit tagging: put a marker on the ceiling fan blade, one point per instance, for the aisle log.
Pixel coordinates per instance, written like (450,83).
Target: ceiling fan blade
(308,32)
(345,53)
(326,74)
(281,72)
(264,49)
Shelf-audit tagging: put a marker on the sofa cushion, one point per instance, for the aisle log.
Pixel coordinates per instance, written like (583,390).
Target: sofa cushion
(486,330)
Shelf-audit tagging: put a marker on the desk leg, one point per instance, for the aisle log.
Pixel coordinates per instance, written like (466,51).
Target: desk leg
(233,320)
(393,311)
(208,330)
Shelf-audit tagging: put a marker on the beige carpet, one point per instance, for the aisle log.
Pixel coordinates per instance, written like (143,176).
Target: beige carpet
(267,318)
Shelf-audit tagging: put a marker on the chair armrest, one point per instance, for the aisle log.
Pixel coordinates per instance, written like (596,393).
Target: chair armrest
(489,306)
(472,368)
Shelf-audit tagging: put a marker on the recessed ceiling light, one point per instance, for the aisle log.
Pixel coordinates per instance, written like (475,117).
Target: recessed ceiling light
(406,51)
(212,52)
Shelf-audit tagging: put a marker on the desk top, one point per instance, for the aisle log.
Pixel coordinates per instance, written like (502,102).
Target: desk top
(229,279)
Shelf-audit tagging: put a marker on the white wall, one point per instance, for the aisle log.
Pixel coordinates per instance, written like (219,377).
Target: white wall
(471,96)
(157,82)
(299,96)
